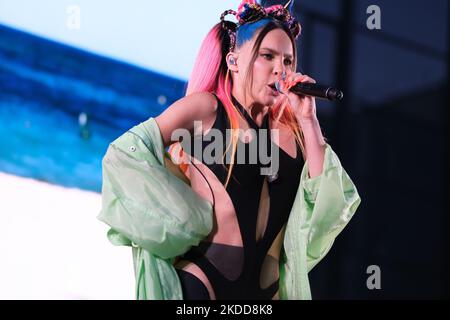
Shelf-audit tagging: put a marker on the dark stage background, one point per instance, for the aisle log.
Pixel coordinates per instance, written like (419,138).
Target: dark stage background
(390,134)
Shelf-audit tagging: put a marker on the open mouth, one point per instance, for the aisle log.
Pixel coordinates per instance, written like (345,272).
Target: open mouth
(273,88)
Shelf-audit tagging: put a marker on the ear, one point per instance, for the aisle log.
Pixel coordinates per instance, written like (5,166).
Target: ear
(232,58)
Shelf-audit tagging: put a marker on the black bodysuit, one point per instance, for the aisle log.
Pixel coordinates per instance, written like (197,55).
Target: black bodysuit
(234,272)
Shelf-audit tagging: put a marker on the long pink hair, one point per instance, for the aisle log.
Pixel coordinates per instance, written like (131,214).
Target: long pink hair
(211,74)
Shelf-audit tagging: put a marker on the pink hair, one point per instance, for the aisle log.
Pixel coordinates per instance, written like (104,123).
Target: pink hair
(210,74)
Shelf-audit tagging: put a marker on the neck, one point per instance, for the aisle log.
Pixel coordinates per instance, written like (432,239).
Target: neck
(256,110)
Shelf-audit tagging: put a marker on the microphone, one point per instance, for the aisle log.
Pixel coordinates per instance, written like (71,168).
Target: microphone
(314,90)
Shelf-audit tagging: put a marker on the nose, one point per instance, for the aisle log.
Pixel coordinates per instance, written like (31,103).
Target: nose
(280,73)
(278,69)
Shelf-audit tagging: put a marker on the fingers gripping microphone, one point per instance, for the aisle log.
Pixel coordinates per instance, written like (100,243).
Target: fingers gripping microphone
(314,90)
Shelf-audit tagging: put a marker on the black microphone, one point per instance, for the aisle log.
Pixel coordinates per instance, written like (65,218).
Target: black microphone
(314,90)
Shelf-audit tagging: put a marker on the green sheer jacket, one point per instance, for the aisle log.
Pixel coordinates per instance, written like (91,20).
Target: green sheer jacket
(159,215)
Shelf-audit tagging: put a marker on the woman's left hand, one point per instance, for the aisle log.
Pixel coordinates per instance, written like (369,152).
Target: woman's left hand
(304,107)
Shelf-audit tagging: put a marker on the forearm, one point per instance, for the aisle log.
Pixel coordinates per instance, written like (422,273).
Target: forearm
(314,145)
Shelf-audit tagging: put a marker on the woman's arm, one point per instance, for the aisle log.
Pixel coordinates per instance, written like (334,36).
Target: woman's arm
(142,200)
(305,112)
(182,114)
(315,146)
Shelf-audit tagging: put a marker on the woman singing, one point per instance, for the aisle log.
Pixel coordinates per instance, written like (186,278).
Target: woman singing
(212,218)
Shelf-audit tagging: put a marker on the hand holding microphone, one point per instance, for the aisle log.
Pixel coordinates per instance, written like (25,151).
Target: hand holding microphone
(301,90)
(312,89)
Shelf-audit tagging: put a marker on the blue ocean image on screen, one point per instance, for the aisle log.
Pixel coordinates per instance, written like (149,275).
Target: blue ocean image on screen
(60,107)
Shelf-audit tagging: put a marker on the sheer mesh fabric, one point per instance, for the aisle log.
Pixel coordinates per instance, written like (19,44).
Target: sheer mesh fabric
(239,258)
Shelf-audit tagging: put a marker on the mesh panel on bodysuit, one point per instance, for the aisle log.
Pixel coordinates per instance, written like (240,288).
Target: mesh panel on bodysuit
(248,272)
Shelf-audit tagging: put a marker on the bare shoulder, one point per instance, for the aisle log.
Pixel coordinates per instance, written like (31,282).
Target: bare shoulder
(183,112)
(205,102)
